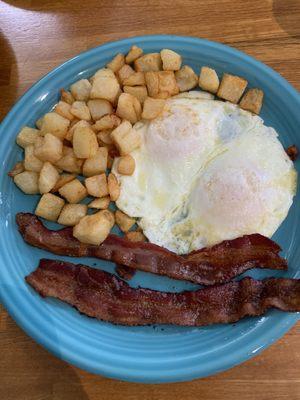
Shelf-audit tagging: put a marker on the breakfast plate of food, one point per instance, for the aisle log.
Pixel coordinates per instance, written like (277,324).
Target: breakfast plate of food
(149,209)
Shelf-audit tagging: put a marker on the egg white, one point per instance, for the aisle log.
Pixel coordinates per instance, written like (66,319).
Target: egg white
(206,171)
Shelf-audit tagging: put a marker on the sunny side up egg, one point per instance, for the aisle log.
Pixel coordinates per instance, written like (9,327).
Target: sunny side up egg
(206,171)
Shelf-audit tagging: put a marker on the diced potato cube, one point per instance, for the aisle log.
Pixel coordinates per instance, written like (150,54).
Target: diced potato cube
(135,236)
(134,53)
(135,79)
(48,178)
(126,138)
(39,123)
(49,207)
(107,122)
(27,136)
(55,124)
(31,162)
(97,185)
(17,169)
(171,60)
(100,203)
(73,191)
(66,96)
(161,84)
(103,73)
(81,110)
(124,221)
(97,164)
(129,108)
(81,90)
(148,62)
(70,163)
(140,92)
(231,88)
(64,109)
(208,80)
(78,124)
(186,78)
(99,108)
(152,82)
(105,86)
(48,148)
(71,214)
(62,180)
(126,165)
(85,142)
(125,72)
(252,100)
(152,108)
(93,229)
(104,137)
(116,63)
(113,187)
(27,181)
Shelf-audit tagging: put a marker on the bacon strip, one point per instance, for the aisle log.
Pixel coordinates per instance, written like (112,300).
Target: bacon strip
(104,296)
(208,266)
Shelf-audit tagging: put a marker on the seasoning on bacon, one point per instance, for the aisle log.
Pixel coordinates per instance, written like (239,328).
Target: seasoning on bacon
(104,296)
(209,266)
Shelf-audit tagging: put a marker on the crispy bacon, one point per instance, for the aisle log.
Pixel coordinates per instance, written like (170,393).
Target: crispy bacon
(104,296)
(217,264)
(125,272)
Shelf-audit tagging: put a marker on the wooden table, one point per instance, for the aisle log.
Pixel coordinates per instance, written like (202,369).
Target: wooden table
(39,35)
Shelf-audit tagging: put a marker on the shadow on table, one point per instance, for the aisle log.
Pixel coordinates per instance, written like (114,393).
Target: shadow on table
(287,14)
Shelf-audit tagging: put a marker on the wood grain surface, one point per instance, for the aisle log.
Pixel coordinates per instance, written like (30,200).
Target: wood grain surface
(36,36)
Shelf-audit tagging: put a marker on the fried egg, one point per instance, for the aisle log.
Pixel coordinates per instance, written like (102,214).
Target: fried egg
(206,171)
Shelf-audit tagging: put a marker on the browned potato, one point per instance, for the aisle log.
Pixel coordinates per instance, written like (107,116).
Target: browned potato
(125,72)
(116,63)
(152,82)
(81,90)
(66,96)
(126,165)
(252,100)
(100,203)
(80,110)
(97,185)
(31,162)
(107,122)
(161,84)
(140,92)
(73,191)
(129,108)
(105,85)
(39,123)
(124,221)
(78,124)
(48,148)
(71,214)
(64,109)
(148,62)
(135,236)
(55,124)
(70,163)
(99,108)
(97,164)
(104,137)
(113,187)
(17,169)
(85,143)
(171,60)
(93,229)
(186,78)
(48,178)
(125,138)
(62,180)
(134,53)
(49,207)
(27,181)
(231,88)
(135,79)
(27,136)
(152,108)
(208,80)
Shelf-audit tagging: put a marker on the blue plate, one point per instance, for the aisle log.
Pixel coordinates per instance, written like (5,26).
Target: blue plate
(152,353)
